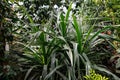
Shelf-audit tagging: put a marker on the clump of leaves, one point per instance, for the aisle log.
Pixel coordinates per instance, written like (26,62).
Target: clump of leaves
(94,76)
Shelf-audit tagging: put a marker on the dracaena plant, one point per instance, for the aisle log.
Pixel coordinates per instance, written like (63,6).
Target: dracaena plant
(59,53)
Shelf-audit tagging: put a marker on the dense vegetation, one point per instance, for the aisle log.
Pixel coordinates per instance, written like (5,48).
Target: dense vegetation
(59,40)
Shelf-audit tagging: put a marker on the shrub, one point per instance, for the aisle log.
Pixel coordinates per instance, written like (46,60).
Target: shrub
(95,76)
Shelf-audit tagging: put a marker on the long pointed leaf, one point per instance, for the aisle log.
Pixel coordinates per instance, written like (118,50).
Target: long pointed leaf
(78,33)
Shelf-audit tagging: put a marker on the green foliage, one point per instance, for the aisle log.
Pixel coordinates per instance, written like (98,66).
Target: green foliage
(95,76)
(53,44)
(64,21)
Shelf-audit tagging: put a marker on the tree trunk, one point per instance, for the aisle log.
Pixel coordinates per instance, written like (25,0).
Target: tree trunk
(2,45)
